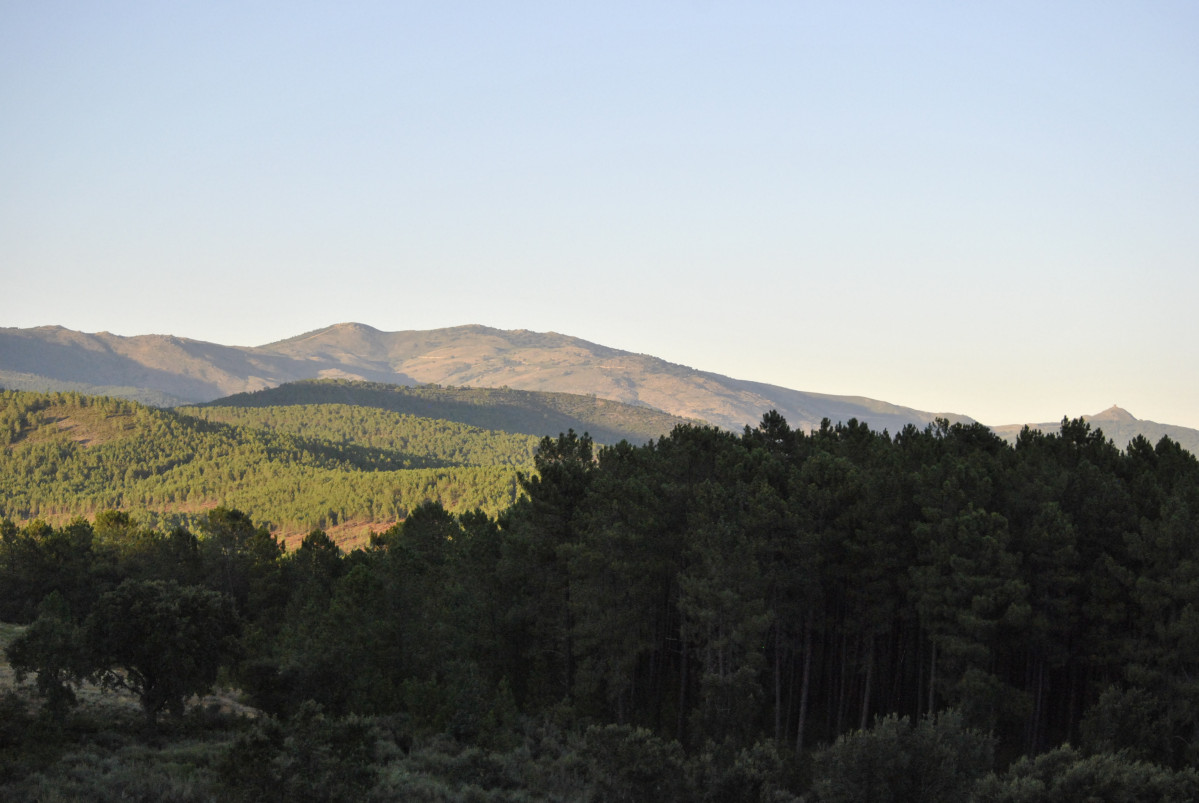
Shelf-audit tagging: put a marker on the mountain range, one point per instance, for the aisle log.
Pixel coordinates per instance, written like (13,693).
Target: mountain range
(164,370)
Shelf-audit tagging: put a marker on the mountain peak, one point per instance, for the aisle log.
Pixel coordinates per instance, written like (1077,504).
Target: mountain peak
(350,327)
(1113,413)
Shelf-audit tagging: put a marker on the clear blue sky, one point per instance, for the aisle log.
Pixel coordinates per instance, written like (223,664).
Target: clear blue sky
(984,208)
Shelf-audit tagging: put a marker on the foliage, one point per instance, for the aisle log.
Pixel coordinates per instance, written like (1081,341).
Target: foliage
(684,619)
(162,641)
(937,759)
(1066,774)
(52,648)
(310,757)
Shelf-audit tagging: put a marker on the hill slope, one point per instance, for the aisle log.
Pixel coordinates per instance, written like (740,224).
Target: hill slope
(188,370)
(478,356)
(63,455)
(501,409)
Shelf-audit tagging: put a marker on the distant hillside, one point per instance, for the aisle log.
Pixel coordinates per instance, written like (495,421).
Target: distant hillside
(502,409)
(64,455)
(15,380)
(369,438)
(475,356)
(189,370)
(1120,426)
(480,356)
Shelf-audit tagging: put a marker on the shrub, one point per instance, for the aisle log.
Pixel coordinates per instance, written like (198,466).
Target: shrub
(938,759)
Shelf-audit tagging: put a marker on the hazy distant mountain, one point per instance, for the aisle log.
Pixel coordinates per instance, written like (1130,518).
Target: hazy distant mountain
(477,356)
(1120,426)
(187,370)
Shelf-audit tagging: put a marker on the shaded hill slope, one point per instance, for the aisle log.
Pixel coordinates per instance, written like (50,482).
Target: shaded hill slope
(188,370)
(502,409)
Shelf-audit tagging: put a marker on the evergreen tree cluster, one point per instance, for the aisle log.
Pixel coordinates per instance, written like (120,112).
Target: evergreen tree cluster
(841,614)
(796,586)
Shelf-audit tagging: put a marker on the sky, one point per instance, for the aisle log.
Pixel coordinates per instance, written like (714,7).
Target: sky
(981,208)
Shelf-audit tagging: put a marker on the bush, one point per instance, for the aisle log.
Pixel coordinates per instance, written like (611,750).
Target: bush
(938,759)
(1065,774)
(1128,721)
(634,764)
(310,758)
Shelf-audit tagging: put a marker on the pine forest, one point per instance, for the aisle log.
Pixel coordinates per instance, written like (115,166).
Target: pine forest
(771,615)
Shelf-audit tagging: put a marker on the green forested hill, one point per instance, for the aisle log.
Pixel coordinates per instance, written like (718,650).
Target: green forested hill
(64,454)
(368,431)
(504,409)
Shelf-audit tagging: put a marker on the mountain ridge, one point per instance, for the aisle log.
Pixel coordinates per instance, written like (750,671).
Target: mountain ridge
(475,355)
(167,370)
(483,356)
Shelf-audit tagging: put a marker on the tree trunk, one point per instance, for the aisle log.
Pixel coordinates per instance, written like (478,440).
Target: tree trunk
(932,680)
(682,724)
(803,688)
(869,684)
(778,685)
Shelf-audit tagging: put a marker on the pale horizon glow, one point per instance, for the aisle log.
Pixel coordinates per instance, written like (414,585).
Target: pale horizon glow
(978,209)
